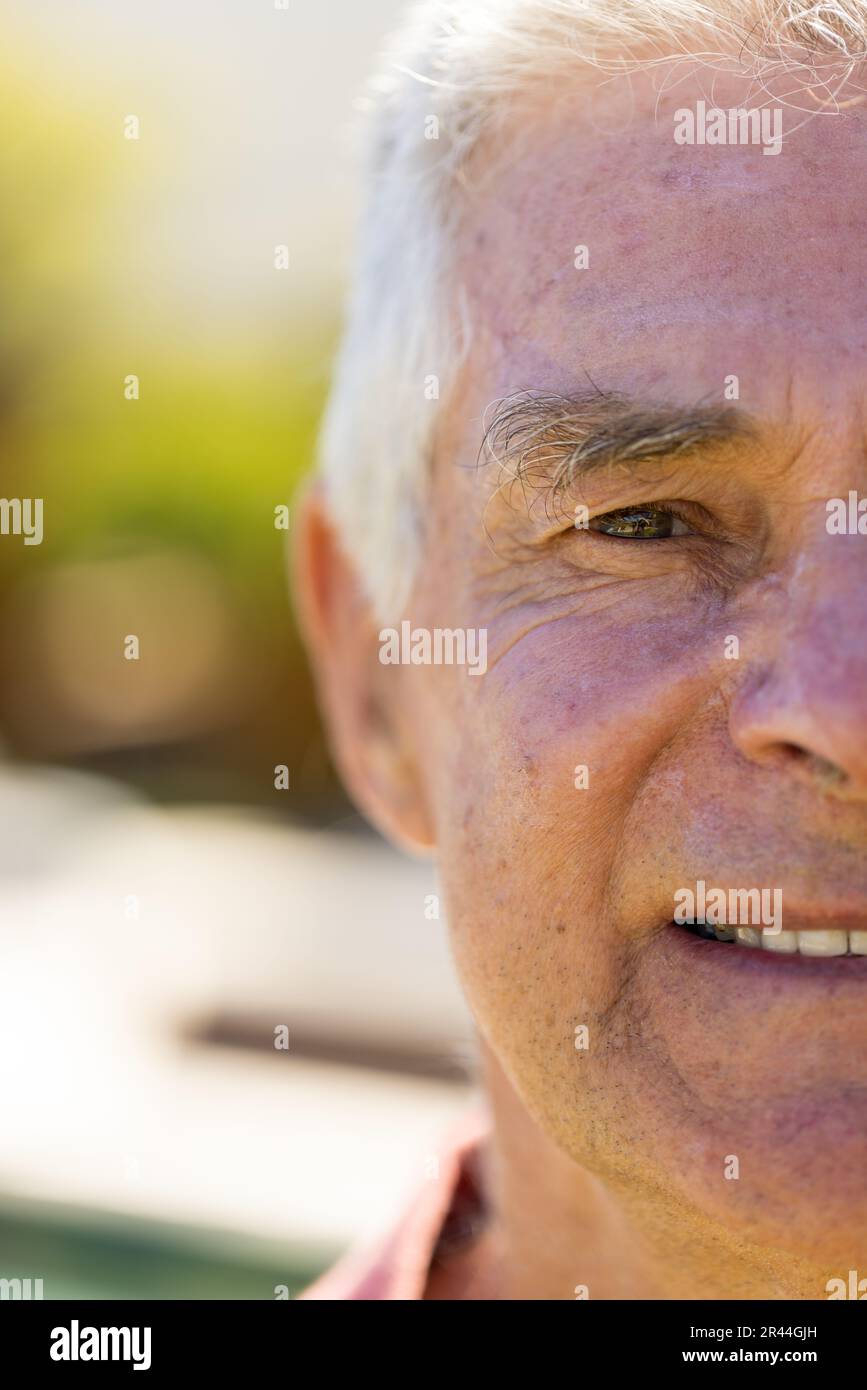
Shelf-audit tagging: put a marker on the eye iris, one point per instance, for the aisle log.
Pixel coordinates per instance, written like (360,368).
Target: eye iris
(639,523)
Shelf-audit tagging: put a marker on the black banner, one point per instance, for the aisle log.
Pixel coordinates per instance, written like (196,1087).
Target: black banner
(159,1338)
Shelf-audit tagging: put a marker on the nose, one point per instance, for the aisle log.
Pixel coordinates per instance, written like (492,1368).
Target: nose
(802,704)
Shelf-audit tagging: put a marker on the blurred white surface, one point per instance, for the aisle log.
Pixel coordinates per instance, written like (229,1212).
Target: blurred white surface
(120,924)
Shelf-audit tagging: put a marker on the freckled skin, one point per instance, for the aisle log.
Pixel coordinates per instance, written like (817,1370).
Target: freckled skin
(704,262)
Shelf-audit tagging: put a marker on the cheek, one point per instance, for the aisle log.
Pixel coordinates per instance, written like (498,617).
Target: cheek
(534,785)
(537,768)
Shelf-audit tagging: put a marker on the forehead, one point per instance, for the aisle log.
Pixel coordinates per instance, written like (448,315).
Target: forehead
(702,260)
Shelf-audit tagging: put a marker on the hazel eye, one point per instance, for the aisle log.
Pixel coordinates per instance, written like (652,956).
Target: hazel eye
(648,523)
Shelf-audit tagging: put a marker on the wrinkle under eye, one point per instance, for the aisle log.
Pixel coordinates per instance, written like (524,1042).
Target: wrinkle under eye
(640,523)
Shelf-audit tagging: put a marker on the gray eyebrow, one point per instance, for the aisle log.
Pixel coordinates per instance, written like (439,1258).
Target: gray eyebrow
(551,440)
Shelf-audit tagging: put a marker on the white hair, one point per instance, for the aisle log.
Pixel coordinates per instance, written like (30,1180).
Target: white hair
(451,75)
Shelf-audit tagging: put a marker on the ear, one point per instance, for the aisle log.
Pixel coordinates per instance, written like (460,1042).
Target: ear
(362,701)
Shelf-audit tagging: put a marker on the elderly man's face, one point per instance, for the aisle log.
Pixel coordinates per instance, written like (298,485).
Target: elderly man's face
(611,651)
(722,1083)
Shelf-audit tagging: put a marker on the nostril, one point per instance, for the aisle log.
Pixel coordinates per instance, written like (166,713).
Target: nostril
(826,773)
(793,753)
(779,754)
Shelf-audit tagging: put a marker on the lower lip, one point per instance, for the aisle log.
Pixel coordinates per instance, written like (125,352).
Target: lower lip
(747,963)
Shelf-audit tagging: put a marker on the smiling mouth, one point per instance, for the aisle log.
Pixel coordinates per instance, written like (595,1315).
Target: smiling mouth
(788,943)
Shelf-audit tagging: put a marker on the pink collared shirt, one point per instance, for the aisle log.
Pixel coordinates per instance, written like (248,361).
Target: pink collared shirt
(445,1213)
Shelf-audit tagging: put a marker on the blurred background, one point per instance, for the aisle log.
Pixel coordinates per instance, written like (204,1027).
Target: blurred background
(229,1035)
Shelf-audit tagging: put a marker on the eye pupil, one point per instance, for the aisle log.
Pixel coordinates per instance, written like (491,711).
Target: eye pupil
(636,523)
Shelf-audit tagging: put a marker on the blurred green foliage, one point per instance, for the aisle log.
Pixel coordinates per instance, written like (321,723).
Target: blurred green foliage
(222,432)
(85,1257)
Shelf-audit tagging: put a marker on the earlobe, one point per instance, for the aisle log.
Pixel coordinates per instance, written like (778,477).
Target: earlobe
(368,733)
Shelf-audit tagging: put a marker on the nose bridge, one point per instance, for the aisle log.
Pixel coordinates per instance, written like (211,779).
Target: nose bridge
(807,691)
(827,611)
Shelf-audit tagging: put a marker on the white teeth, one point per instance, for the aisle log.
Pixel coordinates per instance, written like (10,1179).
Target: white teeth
(748,936)
(823,943)
(790,943)
(786,942)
